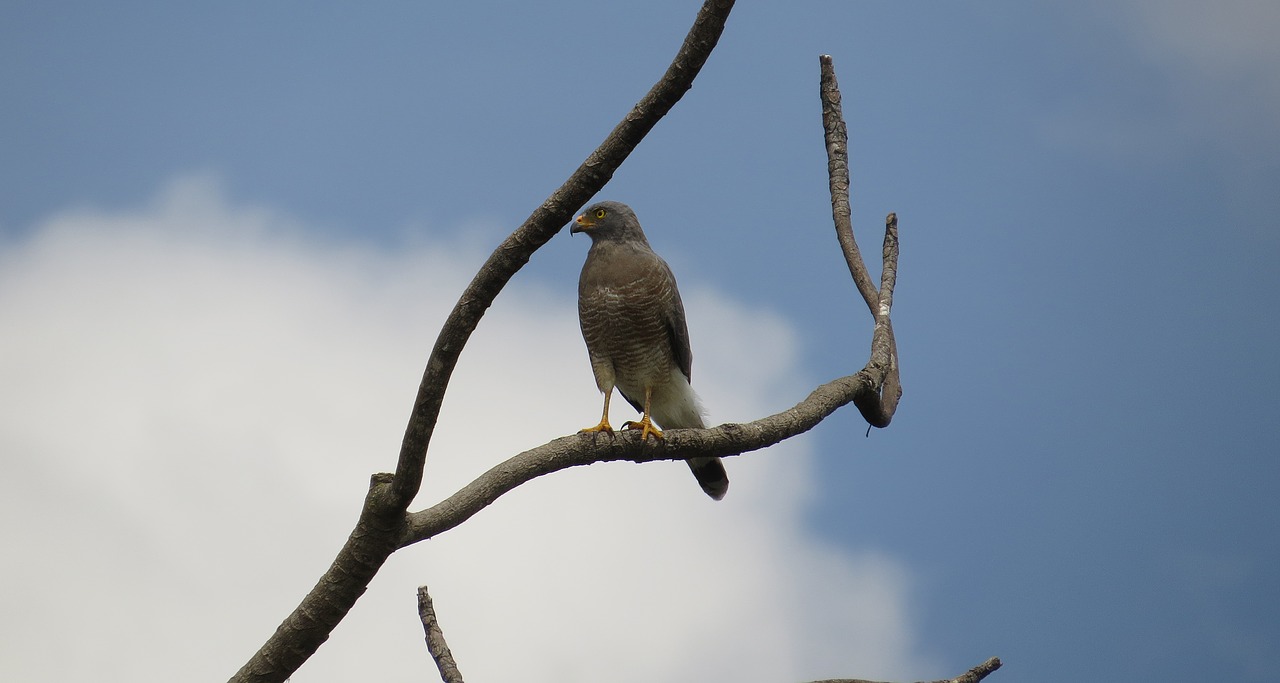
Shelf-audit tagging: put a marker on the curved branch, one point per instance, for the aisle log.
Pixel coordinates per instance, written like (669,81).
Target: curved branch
(973,675)
(892,390)
(878,408)
(678,444)
(378,529)
(364,553)
(539,227)
(837,139)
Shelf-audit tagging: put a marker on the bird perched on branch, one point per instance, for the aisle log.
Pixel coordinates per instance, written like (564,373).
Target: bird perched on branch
(634,325)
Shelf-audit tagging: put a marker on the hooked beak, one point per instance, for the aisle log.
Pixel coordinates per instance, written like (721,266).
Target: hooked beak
(581,224)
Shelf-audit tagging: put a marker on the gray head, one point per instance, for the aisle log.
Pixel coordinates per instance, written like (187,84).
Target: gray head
(609,221)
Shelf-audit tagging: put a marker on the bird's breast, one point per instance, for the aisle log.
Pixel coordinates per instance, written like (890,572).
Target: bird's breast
(624,324)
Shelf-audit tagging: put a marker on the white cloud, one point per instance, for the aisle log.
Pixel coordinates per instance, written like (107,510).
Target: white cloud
(192,396)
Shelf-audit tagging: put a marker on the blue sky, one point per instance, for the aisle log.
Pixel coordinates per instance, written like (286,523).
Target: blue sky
(1080,478)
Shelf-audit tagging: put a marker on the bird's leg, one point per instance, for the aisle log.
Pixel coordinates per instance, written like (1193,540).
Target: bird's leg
(604,419)
(645,425)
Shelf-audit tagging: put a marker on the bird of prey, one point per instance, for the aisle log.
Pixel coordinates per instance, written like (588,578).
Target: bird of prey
(634,325)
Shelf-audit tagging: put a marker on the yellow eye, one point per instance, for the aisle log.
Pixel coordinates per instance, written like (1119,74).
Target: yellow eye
(600,213)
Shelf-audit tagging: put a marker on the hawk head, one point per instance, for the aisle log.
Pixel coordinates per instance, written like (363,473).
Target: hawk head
(609,221)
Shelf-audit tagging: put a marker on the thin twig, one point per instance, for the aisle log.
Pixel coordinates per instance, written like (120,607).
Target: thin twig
(436,644)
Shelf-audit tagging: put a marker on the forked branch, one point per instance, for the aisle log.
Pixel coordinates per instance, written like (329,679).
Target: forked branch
(385,525)
(677,444)
(878,408)
(537,229)
(874,389)
(378,530)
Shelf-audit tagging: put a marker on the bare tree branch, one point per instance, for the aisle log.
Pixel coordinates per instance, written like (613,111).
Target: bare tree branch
(436,645)
(877,409)
(892,390)
(978,672)
(973,675)
(378,529)
(837,139)
(384,525)
(539,227)
(889,268)
(678,444)
(875,390)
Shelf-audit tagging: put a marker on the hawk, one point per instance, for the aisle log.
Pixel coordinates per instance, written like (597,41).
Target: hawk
(633,322)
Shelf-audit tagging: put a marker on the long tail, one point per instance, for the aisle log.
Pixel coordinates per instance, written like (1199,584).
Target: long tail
(711,476)
(678,407)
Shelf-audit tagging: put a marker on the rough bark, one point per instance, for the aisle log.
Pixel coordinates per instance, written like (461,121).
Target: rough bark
(725,440)
(973,675)
(436,644)
(877,409)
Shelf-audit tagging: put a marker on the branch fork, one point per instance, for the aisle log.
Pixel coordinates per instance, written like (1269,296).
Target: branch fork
(385,524)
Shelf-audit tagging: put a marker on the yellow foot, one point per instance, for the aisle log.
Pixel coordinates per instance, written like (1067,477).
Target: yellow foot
(646,427)
(602,427)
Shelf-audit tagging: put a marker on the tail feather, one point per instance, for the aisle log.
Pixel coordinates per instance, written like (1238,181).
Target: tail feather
(711,476)
(675,406)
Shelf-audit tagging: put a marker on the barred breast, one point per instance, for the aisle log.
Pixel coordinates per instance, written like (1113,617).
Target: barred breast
(625,300)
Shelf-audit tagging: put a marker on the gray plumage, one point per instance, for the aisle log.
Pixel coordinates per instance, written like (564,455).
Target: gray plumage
(634,325)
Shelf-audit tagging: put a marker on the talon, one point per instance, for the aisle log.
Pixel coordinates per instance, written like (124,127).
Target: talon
(646,427)
(602,427)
